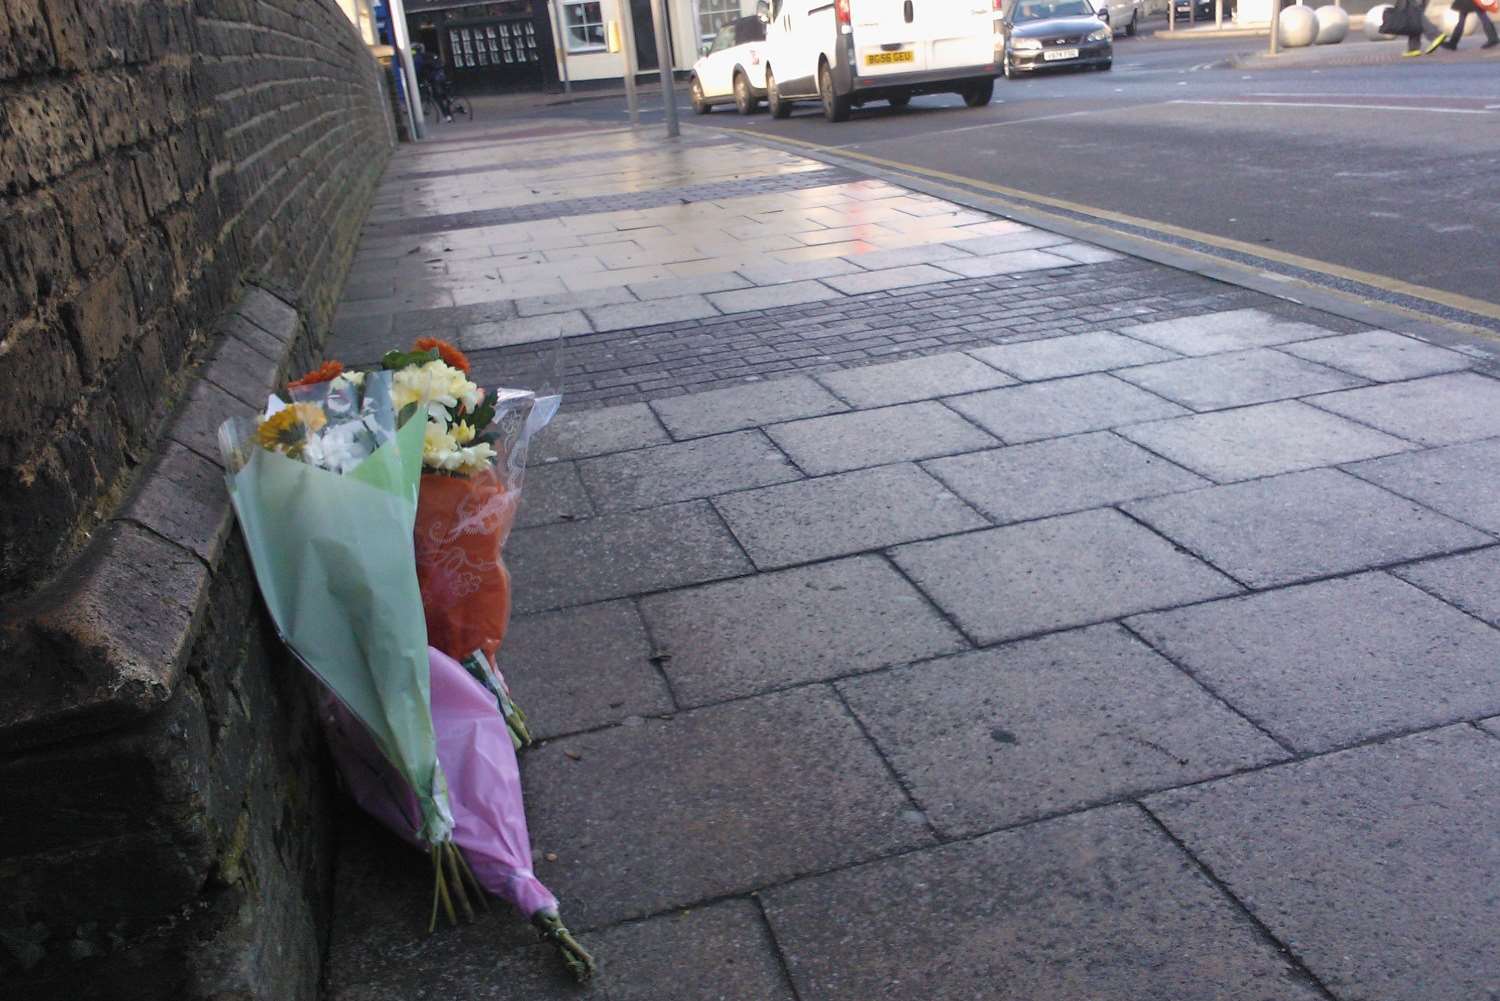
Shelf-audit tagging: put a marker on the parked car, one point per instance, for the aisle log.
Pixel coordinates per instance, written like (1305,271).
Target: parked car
(732,69)
(1047,34)
(1122,15)
(1205,10)
(848,52)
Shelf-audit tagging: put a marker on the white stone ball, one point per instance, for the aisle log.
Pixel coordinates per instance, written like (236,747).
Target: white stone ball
(1372,23)
(1333,24)
(1450,24)
(1299,26)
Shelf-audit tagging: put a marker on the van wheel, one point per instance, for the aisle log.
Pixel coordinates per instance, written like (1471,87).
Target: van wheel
(744,101)
(774,103)
(977,95)
(1135,20)
(835,107)
(695,91)
(899,100)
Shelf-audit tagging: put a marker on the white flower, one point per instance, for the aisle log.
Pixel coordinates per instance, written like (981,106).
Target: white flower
(337,448)
(436,386)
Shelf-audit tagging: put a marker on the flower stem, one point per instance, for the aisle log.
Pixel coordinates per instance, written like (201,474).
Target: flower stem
(450,850)
(580,964)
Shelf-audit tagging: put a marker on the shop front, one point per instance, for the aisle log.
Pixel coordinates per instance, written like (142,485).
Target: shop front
(490,46)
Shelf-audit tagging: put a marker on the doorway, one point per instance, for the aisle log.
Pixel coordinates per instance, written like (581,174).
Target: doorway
(645,33)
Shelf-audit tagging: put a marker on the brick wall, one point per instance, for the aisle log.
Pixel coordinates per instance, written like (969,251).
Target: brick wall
(152,153)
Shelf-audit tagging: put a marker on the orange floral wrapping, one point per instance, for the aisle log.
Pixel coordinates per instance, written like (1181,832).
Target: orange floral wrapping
(462,524)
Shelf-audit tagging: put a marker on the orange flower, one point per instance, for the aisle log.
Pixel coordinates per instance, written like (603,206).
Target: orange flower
(325,372)
(450,354)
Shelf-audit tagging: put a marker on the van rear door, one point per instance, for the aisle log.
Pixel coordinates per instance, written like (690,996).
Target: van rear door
(958,33)
(887,38)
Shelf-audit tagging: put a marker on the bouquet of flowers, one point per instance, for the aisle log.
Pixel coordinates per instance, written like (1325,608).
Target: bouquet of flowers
(329,490)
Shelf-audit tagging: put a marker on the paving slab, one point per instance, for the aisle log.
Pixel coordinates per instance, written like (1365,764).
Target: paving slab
(1047,726)
(1230,330)
(577,434)
(1378,866)
(1237,378)
(843,514)
(1440,410)
(1262,440)
(746,406)
(1461,481)
(1060,476)
(887,278)
(914,379)
(552,492)
(901,433)
(1077,354)
(695,285)
(1003,243)
(1054,574)
(684,470)
(1380,355)
(1330,664)
(617,555)
(644,314)
(1085,253)
(776,273)
(773,296)
(711,802)
(1470,581)
(1299,526)
(721,951)
(566,301)
(1061,407)
(898,257)
(759,633)
(523,330)
(580,668)
(1010,263)
(1101,906)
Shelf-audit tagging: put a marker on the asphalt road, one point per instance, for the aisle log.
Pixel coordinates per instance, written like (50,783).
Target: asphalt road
(1392,169)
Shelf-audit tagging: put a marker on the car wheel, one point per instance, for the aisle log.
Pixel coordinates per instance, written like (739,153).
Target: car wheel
(1135,23)
(695,91)
(1006,66)
(835,106)
(899,100)
(977,95)
(774,103)
(744,101)
(1106,67)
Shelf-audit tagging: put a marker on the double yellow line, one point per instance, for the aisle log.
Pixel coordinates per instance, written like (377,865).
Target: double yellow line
(1451,300)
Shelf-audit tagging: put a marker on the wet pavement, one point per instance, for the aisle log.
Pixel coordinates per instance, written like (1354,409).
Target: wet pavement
(919,605)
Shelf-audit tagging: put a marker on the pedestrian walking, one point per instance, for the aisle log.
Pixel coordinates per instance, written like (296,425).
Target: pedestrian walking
(1481,11)
(1404,17)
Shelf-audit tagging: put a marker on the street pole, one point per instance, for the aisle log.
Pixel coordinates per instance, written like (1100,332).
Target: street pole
(1219,15)
(1171,15)
(560,46)
(409,68)
(664,60)
(1275,24)
(627,42)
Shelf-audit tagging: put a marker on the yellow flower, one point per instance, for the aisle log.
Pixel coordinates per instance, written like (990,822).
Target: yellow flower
(463,433)
(286,430)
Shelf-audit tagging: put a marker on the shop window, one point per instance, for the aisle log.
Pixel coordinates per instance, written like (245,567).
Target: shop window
(715,14)
(584,23)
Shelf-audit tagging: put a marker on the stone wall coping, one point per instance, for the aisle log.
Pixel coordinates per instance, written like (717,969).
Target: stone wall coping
(105,642)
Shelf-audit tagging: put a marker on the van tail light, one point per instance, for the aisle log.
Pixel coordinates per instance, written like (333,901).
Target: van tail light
(841,8)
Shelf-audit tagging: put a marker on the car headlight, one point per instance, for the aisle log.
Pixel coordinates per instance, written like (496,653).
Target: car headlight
(1101,35)
(1026,44)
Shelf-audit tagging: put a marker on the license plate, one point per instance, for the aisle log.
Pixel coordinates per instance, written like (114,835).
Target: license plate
(883,58)
(1053,54)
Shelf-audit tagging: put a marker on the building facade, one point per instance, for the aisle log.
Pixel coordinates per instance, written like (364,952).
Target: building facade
(503,45)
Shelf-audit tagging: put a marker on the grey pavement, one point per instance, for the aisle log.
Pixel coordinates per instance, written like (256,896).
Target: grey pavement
(1082,631)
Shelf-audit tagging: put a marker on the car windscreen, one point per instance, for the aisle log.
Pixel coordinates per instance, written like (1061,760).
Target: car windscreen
(1042,10)
(749,29)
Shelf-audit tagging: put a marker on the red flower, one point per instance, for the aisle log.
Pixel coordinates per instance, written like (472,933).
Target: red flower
(325,372)
(450,354)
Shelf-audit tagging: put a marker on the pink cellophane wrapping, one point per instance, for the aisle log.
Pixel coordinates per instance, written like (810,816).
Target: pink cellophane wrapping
(484,782)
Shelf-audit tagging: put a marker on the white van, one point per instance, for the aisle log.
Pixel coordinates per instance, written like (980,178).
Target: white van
(847,52)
